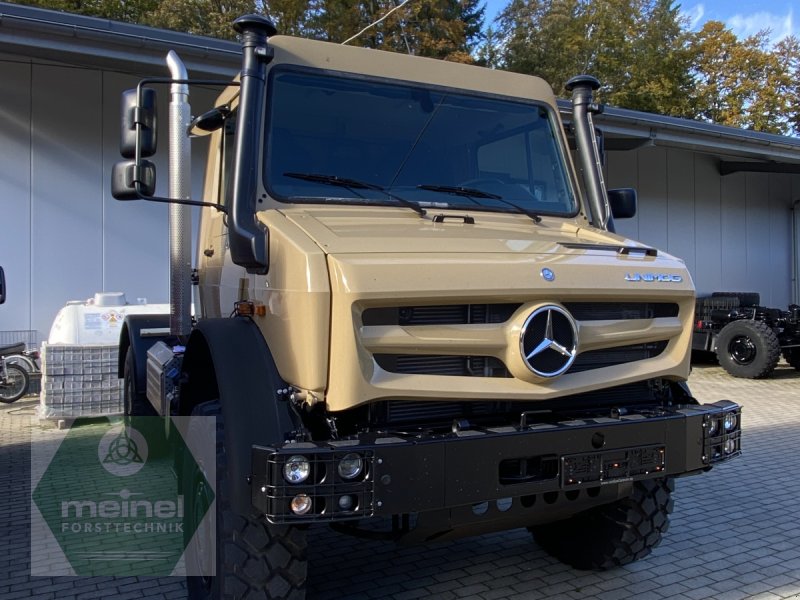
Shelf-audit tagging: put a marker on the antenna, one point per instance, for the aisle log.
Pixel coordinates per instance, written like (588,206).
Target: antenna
(399,6)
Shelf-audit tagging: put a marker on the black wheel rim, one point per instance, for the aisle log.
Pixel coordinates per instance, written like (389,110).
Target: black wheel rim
(13,385)
(742,350)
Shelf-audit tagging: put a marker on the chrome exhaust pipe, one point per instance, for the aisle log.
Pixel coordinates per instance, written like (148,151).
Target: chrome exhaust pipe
(180,215)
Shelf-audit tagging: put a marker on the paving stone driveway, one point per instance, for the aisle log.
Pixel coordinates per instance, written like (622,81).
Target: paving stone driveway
(735,531)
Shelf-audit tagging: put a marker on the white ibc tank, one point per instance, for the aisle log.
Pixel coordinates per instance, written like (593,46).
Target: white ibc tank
(97,320)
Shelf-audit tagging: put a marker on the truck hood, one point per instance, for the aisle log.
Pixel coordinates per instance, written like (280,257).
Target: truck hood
(470,288)
(367,229)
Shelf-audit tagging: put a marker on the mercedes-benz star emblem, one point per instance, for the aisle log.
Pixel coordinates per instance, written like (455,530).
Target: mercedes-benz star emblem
(549,341)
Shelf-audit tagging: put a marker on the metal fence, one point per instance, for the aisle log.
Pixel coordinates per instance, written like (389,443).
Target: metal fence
(31,337)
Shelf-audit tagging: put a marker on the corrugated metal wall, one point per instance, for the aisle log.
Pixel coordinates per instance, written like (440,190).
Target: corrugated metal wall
(62,236)
(734,232)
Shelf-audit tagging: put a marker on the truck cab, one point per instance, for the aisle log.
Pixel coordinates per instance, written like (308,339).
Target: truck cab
(412,308)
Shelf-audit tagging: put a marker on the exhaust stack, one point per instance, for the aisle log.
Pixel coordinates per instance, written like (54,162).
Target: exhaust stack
(180,186)
(582,87)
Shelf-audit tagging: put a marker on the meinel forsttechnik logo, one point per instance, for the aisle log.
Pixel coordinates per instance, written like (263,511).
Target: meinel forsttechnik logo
(110,498)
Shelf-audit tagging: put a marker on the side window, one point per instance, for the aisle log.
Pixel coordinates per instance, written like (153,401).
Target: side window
(228,150)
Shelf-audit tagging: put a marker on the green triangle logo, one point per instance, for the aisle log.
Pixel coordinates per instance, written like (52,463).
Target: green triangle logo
(110,493)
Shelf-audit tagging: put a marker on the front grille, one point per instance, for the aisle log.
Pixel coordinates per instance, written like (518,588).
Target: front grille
(411,411)
(432,413)
(607,357)
(448,314)
(599,311)
(462,366)
(464,314)
(486,366)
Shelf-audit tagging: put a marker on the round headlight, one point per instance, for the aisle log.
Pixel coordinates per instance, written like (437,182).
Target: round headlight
(350,466)
(346,502)
(301,504)
(729,422)
(730,446)
(713,427)
(296,469)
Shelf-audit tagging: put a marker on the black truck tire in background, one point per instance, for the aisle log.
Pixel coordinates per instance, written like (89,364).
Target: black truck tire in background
(792,356)
(748,349)
(136,402)
(254,559)
(614,534)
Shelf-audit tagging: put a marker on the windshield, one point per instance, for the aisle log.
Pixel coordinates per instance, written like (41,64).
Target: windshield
(340,139)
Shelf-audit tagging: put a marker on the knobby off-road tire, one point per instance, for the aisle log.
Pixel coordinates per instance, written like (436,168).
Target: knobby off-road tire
(253,558)
(614,534)
(748,349)
(18,384)
(792,356)
(136,402)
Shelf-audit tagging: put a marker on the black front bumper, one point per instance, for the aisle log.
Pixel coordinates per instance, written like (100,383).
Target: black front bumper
(425,473)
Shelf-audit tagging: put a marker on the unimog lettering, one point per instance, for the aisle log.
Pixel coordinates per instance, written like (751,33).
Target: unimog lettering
(413,361)
(653,277)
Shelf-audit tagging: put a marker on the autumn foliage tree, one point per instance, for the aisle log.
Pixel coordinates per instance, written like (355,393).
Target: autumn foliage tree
(744,83)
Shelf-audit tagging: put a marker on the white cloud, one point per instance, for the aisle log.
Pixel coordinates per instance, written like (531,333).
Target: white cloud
(695,15)
(780,26)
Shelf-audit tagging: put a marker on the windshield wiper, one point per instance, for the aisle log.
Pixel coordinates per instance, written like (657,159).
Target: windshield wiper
(459,191)
(353,185)
(473,193)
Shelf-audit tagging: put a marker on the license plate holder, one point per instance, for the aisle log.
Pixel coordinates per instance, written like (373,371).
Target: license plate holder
(612,466)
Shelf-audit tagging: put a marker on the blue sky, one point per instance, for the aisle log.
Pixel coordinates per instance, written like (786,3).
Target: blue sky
(744,17)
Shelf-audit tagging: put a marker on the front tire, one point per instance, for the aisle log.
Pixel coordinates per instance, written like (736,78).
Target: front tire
(614,534)
(748,349)
(254,559)
(136,402)
(17,384)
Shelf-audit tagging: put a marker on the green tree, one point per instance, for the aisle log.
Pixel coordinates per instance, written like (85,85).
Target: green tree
(656,77)
(637,48)
(447,29)
(130,11)
(200,17)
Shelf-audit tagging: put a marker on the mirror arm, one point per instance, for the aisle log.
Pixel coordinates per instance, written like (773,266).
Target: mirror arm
(138,187)
(141,119)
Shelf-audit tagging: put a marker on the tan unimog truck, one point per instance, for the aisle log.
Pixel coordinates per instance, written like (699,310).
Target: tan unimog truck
(412,312)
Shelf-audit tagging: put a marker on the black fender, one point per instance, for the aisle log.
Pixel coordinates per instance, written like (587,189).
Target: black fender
(131,336)
(230,360)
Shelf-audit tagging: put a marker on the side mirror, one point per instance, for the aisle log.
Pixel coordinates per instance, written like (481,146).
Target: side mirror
(131,181)
(138,120)
(2,286)
(622,203)
(209,121)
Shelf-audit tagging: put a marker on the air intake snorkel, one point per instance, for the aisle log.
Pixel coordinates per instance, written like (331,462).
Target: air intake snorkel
(583,106)
(249,241)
